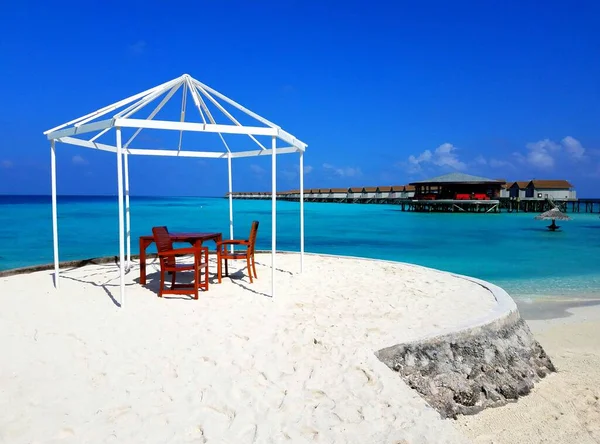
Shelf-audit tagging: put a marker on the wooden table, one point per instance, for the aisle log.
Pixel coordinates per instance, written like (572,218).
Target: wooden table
(196,239)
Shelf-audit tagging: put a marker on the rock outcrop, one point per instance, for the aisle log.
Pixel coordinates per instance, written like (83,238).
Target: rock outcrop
(467,371)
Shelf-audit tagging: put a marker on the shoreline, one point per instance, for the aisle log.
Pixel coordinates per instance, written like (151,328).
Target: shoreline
(525,300)
(545,309)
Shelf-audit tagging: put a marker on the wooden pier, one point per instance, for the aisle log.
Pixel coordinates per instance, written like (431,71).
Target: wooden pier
(453,205)
(502,204)
(541,205)
(588,206)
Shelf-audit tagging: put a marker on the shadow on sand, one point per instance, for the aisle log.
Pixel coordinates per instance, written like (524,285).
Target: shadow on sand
(106,276)
(544,310)
(93,277)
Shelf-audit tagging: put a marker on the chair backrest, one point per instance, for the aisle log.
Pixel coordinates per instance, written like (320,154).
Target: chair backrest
(163,242)
(252,238)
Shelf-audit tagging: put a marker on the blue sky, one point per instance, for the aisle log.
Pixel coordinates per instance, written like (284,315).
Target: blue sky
(382,92)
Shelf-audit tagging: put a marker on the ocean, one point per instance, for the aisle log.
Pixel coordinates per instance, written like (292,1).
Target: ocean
(514,251)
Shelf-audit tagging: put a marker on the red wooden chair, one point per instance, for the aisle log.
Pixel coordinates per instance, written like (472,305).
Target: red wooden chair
(223,255)
(168,263)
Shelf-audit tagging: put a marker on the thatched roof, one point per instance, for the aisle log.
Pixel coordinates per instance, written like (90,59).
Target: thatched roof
(554,214)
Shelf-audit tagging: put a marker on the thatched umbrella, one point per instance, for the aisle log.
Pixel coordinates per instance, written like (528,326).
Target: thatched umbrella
(553,214)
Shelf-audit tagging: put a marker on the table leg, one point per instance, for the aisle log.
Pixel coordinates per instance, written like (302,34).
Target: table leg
(143,246)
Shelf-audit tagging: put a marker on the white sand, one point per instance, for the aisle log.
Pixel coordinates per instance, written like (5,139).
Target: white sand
(564,408)
(234,366)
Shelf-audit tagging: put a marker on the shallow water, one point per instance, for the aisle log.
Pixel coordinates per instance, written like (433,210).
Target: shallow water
(514,251)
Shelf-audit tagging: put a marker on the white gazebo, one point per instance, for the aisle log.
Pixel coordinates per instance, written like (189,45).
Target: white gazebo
(92,131)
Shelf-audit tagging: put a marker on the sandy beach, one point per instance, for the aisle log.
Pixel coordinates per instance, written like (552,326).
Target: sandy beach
(564,408)
(239,366)
(233,366)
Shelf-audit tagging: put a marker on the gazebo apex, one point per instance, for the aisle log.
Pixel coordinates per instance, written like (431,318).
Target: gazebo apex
(203,98)
(93,131)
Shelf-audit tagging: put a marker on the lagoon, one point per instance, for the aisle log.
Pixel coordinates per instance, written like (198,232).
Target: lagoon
(514,251)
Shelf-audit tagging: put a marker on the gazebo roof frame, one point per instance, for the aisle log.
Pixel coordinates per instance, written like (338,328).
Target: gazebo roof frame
(201,94)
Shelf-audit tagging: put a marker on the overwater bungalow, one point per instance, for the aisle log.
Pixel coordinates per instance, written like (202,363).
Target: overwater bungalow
(339,193)
(550,189)
(396,191)
(518,189)
(325,194)
(451,192)
(457,192)
(458,186)
(383,192)
(369,193)
(355,193)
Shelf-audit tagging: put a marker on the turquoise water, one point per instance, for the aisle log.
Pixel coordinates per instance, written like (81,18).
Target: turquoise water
(512,250)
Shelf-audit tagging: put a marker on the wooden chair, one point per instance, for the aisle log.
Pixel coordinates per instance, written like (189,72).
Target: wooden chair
(223,255)
(168,264)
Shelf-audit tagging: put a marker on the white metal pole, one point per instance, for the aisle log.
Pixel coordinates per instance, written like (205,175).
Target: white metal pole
(301,211)
(121,218)
(230,199)
(273,212)
(127,213)
(54,212)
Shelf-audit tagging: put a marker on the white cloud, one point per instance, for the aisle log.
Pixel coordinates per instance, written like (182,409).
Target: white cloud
(540,159)
(258,170)
(593,151)
(539,154)
(6,164)
(295,172)
(343,171)
(289,175)
(443,156)
(573,147)
(78,160)
(492,162)
(543,153)
(480,160)
(544,145)
(425,156)
(496,163)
